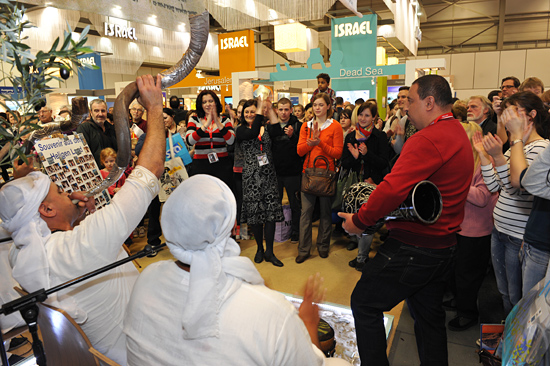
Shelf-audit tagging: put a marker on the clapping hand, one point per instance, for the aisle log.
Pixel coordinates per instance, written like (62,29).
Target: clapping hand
(289,130)
(477,140)
(314,140)
(399,131)
(353,150)
(363,148)
(314,293)
(379,123)
(493,146)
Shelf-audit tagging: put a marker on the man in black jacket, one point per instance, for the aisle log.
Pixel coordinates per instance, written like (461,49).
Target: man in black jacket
(98,134)
(288,164)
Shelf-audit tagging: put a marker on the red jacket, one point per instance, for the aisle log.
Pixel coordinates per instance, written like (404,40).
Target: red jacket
(442,154)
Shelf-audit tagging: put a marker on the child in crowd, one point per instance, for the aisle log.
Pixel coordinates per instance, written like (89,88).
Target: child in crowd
(108,158)
(298,111)
(323,82)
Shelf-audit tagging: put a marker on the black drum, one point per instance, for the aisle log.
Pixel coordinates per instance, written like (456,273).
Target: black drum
(423,204)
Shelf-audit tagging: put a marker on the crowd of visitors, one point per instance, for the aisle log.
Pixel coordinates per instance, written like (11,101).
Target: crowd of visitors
(488,156)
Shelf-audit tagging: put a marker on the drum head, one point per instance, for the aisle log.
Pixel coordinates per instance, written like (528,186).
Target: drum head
(356,195)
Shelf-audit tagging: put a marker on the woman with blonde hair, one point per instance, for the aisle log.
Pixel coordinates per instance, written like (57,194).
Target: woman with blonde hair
(473,247)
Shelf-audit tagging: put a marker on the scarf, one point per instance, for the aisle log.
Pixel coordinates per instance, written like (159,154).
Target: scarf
(201,239)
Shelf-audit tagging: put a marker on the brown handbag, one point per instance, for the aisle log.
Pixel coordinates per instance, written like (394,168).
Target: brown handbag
(318,181)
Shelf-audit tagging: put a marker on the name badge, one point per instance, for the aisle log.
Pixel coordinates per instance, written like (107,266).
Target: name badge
(213,158)
(262,159)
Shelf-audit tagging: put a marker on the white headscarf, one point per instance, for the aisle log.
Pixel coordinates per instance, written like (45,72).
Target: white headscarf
(19,202)
(196,222)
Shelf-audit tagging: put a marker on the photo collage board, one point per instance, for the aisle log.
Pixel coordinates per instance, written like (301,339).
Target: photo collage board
(69,163)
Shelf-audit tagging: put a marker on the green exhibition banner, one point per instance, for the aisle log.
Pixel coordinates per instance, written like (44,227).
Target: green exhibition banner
(352,60)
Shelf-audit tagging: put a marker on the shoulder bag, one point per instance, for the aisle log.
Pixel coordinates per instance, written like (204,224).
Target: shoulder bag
(318,181)
(174,173)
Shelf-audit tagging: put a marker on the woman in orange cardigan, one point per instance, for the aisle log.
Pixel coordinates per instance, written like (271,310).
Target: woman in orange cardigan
(322,136)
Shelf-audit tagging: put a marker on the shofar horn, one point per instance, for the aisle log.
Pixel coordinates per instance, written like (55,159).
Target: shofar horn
(423,204)
(79,114)
(199,37)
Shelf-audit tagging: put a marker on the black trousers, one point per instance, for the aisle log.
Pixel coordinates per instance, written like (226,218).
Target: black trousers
(153,229)
(292,185)
(472,260)
(400,271)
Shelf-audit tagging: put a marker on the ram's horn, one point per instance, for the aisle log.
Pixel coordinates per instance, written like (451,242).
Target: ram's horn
(423,204)
(79,114)
(199,37)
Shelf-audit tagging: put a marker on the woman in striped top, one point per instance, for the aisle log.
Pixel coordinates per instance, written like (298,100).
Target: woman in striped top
(514,205)
(210,136)
(535,252)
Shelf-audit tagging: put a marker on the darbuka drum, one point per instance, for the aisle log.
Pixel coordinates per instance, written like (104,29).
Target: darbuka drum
(423,204)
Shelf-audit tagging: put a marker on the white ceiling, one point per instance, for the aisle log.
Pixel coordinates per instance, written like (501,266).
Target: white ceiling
(456,26)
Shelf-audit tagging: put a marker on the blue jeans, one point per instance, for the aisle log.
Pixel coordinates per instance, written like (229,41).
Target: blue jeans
(397,272)
(363,246)
(505,257)
(534,263)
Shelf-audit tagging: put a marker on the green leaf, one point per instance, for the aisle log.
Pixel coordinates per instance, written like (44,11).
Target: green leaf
(84,32)
(55,43)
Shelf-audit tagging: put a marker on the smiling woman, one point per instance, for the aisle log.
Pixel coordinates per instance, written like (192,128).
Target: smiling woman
(210,134)
(261,206)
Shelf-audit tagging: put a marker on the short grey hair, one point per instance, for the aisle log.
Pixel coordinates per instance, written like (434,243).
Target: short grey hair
(97,101)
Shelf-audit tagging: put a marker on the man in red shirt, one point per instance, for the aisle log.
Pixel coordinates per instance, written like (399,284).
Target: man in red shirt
(414,262)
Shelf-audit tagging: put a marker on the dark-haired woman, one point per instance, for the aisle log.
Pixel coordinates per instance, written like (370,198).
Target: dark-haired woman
(261,206)
(210,134)
(346,123)
(366,150)
(514,205)
(535,251)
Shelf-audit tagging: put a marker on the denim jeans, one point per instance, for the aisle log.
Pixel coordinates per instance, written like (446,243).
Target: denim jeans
(363,246)
(505,257)
(534,263)
(397,272)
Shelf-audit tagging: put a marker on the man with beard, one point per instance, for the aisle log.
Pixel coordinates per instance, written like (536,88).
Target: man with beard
(480,111)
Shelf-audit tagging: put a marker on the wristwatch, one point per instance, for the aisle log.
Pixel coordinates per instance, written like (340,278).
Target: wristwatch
(512,143)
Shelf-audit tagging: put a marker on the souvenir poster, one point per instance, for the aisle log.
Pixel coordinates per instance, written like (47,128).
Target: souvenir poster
(70,164)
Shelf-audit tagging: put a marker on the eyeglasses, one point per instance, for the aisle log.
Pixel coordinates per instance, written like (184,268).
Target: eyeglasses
(507,87)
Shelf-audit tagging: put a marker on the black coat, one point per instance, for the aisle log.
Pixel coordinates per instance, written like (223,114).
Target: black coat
(286,160)
(97,139)
(375,161)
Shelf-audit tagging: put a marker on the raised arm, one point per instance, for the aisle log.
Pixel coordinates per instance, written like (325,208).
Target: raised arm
(517,123)
(154,147)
